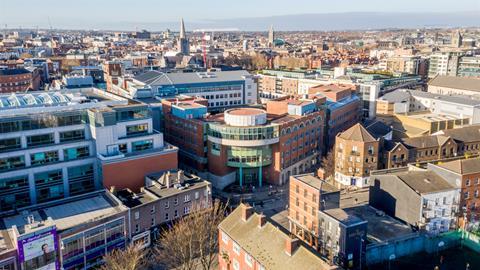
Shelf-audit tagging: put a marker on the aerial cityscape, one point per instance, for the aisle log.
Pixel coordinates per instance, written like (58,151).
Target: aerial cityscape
(240,135)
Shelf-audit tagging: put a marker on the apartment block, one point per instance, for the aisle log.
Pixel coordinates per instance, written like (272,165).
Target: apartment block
(356,155)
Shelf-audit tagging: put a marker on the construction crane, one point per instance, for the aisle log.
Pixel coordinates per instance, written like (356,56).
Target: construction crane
(204,39)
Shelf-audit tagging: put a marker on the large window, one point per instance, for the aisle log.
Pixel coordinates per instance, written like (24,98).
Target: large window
(44,158)
(132,114)
(72,247)
(15,200)
(81,179)
(45,194)
(137,129)
(73,135)
(10,144)
(12,163)
(76,153)
(43,139)
(48,177)
(142,145)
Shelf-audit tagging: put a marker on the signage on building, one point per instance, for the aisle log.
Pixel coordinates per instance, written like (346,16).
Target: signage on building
(39,250)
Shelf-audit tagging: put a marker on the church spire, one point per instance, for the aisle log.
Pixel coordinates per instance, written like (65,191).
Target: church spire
(182,29)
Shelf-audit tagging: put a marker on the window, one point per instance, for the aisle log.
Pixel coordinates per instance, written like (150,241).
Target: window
(152,211)
(187,198)
(81,179)
(10,144)
(137,129)
(76,153)
(236,264)
(166,216)
(175,214)
(248,260)
(467,182)
(167,204)
(74,135)
(175,201)
(142,145)
(37,140)
(186,210)
(225,238)
(12,163)
(236,248)
(137,215)
(153,222)
(197,195)
(137,228)
(44,158)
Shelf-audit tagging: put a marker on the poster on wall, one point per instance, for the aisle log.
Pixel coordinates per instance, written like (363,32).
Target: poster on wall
(39,251)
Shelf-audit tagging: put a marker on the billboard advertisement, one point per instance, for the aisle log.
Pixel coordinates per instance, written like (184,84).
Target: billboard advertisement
(38,251)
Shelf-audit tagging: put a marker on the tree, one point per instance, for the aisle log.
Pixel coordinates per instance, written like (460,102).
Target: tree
(328,164)
(131,258)
(192,241)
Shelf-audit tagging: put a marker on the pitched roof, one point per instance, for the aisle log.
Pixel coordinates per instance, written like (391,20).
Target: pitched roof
(464,83)
(357,133)
(422,182)
(462,166)
(378,129)
(464,134)
(425,141)
(266,244)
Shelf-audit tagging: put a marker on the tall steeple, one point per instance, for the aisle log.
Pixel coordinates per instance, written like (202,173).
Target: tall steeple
(271,37)
(182,29)
(184,46)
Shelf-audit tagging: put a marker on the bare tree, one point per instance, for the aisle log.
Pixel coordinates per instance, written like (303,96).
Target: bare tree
(328,164)
(192,241)
(131,258)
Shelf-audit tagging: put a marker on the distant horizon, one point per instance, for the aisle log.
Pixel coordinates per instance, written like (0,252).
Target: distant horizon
(265,21)
(246,15)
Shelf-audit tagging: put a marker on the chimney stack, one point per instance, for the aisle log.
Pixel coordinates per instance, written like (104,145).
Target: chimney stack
(262,220)
(291,245)
(247,211)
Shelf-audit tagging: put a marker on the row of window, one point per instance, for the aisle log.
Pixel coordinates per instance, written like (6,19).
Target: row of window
(39,140)
(43,158)
(42,121)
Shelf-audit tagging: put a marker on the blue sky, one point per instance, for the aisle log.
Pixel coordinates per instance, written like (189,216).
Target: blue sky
(104,13)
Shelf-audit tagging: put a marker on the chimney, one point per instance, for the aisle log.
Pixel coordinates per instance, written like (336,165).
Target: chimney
(291,245)
(262,220)
(247,211)
(180,176)
(168,183)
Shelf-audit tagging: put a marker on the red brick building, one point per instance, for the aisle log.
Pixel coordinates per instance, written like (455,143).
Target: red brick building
(17,80)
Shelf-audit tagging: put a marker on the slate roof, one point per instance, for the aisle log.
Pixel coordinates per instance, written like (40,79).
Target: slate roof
(357,133)
(462,166)
(464,83)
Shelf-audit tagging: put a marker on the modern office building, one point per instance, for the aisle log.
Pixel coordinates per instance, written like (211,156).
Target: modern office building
(247,146)
(356,155)
(408,101)
(58,144)
(469,66)
(223,89)
(444,63)
(344,108)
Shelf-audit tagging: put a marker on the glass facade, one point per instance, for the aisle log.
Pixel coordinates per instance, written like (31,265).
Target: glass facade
(249,156)
(135,130)
(81,179)
(133,114)
(76,153)
(73,135)
(10,144)
(44,158)
(142,145)
(33,122)
(14,193)
(85,250)
(243,133)
(37,140)
(49,186)
(12,163)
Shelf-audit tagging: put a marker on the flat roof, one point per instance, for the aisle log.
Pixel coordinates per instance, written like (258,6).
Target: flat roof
(380,228)
(245,111)
(70,214)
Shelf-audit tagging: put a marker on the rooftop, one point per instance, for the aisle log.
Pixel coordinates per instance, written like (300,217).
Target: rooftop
(316,182)
(357,133)
(246,111)
(464,83)
(423,182)
(343,217)
(13,71)
(159,78)
(253,239)
(462,166)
